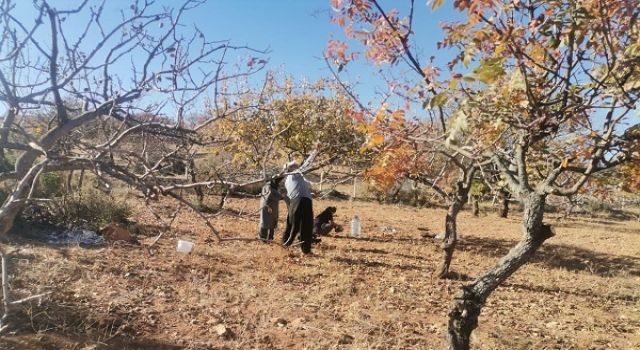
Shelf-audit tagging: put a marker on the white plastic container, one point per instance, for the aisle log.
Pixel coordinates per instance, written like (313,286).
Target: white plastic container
(356,229)
(184,247)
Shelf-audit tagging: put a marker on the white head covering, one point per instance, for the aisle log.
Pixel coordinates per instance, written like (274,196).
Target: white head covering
(291,166)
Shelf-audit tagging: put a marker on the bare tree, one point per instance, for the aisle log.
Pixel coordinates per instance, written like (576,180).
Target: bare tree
(105,97)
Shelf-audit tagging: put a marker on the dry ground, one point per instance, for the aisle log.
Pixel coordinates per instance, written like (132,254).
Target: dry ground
(582,290)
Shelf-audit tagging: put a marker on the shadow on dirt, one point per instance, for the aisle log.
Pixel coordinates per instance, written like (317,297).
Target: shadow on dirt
(559,256)
(63,341)
(56,324)
(458,276)
(631,299)
(376,264)
(399,240)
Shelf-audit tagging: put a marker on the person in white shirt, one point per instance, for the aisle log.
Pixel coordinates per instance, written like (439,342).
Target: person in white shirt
(300,213)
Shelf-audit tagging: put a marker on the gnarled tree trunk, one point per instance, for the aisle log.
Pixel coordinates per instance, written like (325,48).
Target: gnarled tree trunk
(475,207)
(26,171)
(504,203)
(451,234)
(467,305)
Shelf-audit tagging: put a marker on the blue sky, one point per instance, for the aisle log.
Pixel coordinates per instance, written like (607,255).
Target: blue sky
(295,32)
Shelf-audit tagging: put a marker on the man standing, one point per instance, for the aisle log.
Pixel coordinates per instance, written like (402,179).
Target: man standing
(300,217)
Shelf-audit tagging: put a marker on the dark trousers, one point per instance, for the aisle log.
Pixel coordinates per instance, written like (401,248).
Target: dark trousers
(322,229)
(299,219)
(266,233)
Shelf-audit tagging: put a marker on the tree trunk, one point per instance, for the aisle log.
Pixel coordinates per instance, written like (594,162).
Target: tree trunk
(450,238)
(451,233)
(191,171)
(17,199)
(80,180)
(26,172)
(67,186)
(467,305)
(475,207)
(504,201)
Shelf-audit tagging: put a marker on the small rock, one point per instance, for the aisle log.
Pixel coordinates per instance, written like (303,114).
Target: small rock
(346,339)
(223,331)
(280,322)
(388,230)
(114,232)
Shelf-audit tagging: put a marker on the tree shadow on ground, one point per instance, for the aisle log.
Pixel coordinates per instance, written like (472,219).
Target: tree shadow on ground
(458,276)
(625,298)
(371,250)
(560,256)
(55,324)
(65,341)
(399,240)
(375,263)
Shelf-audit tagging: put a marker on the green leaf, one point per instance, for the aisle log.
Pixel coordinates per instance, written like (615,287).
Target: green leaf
(469,53)
(438,100)
(489,70)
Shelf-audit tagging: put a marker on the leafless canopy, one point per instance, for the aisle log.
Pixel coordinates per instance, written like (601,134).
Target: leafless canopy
(84,88)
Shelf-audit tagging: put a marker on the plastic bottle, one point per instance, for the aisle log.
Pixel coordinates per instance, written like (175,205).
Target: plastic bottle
(356,229)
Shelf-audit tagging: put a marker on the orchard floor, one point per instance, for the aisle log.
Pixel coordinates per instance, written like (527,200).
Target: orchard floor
(581,291)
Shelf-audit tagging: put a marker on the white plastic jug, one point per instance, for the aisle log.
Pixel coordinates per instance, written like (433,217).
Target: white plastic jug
(184,247)
(356,229)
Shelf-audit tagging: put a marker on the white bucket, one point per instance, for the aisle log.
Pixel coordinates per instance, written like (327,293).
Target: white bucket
(184,247)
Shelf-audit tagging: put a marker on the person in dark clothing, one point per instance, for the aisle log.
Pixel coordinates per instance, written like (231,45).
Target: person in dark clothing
(323,223)
(270,197)
(300,218)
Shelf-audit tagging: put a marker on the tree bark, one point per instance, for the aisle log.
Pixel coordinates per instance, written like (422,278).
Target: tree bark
(26,171)
(467,305)
(17,199)
(504,201)
(191,171)
(475,207)
(451,233)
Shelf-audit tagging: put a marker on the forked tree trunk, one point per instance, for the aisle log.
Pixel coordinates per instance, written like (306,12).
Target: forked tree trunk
(451,233)
(17,199)
(467,305)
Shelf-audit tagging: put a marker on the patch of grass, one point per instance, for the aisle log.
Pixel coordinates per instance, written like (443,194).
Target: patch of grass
(50,185)
(89,210)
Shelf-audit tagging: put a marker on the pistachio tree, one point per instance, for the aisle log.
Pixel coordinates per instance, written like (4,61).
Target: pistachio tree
(550,88)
